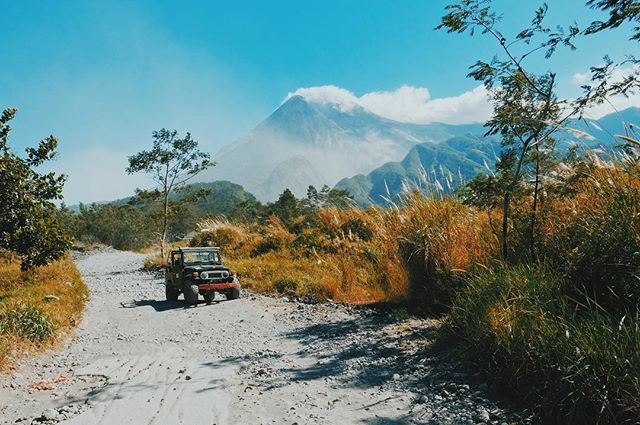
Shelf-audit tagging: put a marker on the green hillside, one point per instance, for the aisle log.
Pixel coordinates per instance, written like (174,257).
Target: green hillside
(427,167)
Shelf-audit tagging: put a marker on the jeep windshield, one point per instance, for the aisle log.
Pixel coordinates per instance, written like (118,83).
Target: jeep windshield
(201,257)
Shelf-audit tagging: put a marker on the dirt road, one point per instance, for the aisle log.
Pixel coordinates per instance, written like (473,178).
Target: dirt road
(137,359)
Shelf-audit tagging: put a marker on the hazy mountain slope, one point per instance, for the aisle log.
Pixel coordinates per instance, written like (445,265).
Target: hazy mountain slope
(427,166)
(305,143)
(603,129)
(460,158)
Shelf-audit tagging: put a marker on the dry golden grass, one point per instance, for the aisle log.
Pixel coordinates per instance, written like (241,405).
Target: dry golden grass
(37,307)
(338,278)
(357,256)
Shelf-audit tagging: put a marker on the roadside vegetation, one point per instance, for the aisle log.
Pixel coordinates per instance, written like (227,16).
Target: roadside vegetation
(352,255)
(41,293)
(38,306)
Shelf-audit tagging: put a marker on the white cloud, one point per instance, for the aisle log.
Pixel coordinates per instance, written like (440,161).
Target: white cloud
(343,99)
(580,78)
(618,103)
(407,104)
(615,103)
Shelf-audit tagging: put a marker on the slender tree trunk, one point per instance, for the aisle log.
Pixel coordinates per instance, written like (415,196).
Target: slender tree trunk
(166,188)
(507,202)
(165,219)
(525,145)
(534,207)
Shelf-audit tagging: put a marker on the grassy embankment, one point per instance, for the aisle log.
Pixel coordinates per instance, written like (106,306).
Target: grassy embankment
(559,329)
(37,307)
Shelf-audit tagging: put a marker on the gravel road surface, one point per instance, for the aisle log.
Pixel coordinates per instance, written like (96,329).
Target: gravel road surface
(136,359)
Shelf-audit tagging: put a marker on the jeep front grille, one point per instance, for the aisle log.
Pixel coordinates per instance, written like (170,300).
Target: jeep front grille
(215,275)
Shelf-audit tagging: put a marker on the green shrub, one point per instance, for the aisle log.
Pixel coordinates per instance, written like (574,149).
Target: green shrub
(226,237)
(312,240)
(26,321)
(266,245)
(358,228)
(569,365)
(286,285)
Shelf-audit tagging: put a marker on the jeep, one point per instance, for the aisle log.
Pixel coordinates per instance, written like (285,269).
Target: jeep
(199,271)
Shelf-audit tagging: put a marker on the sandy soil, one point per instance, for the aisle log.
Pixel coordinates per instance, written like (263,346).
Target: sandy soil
(137,359)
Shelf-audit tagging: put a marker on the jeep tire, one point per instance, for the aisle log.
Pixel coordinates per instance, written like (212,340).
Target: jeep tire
(234,293)
(191,294)
(171,293)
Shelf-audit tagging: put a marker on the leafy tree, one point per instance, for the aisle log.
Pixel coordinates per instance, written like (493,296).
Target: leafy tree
(29,224)
(287,208)
(171,162)
(619,13)
(120,226)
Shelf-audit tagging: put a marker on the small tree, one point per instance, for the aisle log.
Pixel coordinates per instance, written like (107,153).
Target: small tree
(172,162)
(526,111)
(328,197)
(29,224)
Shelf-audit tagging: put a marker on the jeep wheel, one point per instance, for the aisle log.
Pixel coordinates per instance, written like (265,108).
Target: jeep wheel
(208,297)
(191,294)
(171,293)
(234,293)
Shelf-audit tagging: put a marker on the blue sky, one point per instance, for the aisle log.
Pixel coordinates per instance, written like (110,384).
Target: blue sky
(102,75)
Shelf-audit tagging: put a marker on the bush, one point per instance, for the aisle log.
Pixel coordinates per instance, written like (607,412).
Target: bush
(358,228)
(26,321)
(571,366)
(285,285)
(154,263)
(440,241)
(275,237)
(220,232)
(313,240)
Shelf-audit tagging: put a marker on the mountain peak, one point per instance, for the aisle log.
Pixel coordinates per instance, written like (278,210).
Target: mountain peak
(339,98)
(294,101)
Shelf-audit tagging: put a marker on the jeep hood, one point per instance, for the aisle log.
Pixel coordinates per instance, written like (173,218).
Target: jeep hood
(204,268)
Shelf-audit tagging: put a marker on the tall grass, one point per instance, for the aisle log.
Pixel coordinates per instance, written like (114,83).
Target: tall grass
(37,306)
(593,238)
(569,365)
(440,241)
(563,334)
(418,252)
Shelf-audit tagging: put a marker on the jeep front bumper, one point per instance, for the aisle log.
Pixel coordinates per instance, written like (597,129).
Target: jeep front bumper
(203,287)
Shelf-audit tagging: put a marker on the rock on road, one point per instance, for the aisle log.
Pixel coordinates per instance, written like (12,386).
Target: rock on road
(136,359)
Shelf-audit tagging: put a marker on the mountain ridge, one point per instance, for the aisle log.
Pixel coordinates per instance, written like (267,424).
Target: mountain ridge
(452,162)
(303,143)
